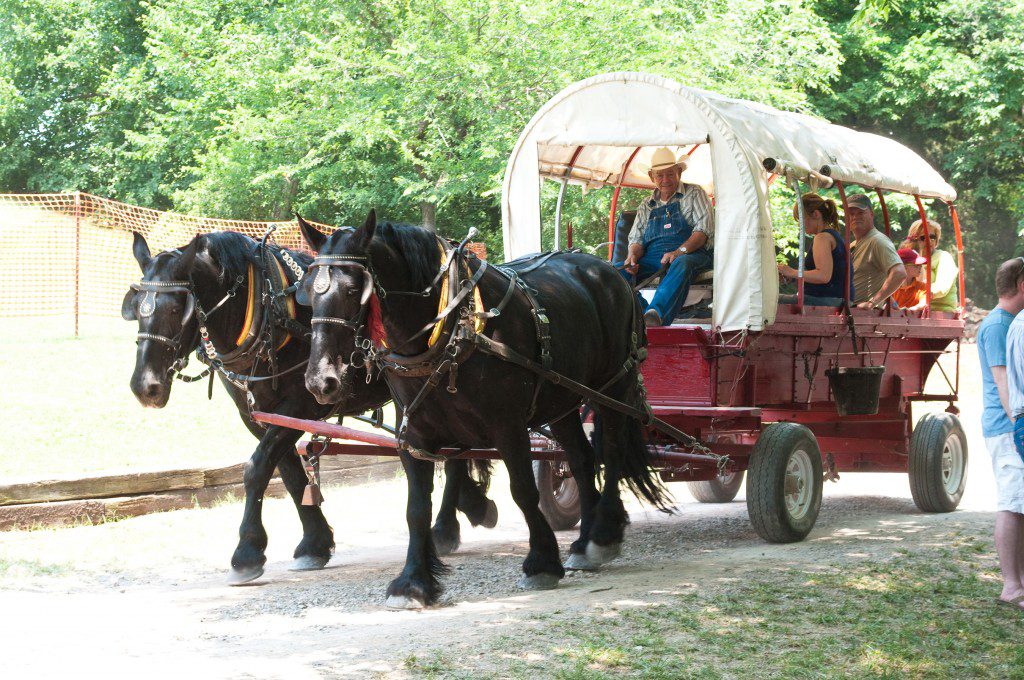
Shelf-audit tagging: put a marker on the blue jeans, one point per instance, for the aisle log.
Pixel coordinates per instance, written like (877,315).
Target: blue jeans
(675,284)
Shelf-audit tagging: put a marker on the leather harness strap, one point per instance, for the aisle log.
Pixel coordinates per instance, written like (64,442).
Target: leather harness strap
(254,329)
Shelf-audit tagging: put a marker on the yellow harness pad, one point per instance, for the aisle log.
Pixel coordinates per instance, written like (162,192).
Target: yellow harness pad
(250,308)
(289,300)
(478,304)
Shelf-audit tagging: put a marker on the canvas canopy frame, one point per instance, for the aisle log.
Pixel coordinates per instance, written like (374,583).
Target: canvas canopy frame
(601,132)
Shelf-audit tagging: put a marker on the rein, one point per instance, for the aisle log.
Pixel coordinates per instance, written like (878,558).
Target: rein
(257,338)
(373,293)
(466,335)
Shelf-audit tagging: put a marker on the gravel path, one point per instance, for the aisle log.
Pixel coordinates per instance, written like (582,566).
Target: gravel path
(148,595)
(162,603)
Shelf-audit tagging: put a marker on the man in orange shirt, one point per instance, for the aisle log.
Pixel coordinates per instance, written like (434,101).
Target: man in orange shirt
(913,293)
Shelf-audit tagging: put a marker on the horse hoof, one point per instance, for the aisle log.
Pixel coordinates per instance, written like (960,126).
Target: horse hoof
(580,563)
(446,546)
(239,577)
(308,563)
(538,582)
(401,602)
(602,554)
(490,519)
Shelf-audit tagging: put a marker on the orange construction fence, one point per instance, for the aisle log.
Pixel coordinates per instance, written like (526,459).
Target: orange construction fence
(71,253)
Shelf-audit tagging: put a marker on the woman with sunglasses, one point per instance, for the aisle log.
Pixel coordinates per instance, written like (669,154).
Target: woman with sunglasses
(945,296)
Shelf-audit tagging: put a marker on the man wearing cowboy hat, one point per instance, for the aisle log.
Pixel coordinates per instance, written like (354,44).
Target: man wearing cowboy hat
(672,228)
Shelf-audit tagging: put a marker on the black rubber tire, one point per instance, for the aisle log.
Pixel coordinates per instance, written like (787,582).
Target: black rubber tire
(766,483)
(717,490)
(559,497)
(933,437)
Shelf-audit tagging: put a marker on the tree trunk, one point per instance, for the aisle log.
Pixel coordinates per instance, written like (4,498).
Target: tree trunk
(429,211)
(288,193)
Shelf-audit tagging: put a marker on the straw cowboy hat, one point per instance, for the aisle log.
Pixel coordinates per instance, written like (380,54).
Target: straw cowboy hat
(664,158)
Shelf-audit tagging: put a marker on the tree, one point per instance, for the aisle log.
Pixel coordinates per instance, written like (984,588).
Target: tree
(416,110)
(947,79)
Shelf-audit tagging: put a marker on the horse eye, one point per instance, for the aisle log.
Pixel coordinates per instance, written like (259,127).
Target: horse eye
(352,292)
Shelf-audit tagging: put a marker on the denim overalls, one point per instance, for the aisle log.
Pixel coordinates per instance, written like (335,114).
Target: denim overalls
(666,230)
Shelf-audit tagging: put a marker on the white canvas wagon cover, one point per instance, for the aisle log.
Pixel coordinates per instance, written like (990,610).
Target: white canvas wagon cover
(588,132)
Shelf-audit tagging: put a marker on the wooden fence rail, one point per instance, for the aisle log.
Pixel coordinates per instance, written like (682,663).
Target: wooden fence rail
(63,502)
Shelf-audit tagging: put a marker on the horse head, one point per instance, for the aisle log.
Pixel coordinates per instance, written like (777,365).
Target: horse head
(337,287)
(163,303)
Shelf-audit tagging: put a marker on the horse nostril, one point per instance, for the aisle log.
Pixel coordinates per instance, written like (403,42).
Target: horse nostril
(331,385)
(152,390)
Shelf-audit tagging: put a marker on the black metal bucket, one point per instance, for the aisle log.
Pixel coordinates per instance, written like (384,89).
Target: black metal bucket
(856,389)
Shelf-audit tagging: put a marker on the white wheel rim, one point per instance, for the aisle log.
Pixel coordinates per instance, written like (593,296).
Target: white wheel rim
(952,464)
(798,485)
(727,478)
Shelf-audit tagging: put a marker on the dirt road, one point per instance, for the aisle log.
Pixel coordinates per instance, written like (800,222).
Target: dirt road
(148,595)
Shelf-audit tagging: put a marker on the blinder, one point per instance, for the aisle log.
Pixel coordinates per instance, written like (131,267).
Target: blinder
(128,306)
(322,283)
(147,306)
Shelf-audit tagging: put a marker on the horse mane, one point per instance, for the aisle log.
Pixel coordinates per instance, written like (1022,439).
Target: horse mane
(417,245)
(234,252)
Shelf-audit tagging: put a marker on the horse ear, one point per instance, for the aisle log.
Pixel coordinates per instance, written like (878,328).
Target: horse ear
(302,291)
(183,266)
(128,306)
(364,234)
(314,238)
(140,249)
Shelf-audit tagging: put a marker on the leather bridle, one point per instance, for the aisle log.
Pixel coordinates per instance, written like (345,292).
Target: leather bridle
(147,306)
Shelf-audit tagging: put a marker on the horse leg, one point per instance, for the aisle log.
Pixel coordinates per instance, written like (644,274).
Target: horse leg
(417,586)
(473,501)
(542,568)
(610,517)
(446,527)
(317,544)
(249,557)
(569,433)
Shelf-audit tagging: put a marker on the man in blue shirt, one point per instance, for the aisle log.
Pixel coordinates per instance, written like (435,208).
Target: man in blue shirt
(997,426)
(672,229)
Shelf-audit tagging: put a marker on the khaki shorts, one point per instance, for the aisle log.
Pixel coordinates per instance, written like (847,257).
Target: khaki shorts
(1008,469)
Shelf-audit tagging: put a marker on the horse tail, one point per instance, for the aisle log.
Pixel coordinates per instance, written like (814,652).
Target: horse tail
(642,480)
(480,471)
(634,455)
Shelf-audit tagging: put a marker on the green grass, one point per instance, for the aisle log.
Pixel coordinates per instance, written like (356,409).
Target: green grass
(68,409)
(926,615)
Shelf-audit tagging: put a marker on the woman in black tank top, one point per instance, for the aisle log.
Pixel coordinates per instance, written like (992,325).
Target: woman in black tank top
(828,258)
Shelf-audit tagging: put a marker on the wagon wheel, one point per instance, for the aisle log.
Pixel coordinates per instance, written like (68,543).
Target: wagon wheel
(784,483)
(559,495)
(938,462)
(721,489)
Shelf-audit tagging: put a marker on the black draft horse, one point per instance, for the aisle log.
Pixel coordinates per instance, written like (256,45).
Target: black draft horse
(596,338)
(203,273)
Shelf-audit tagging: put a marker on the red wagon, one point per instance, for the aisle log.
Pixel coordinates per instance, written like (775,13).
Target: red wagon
(791,394)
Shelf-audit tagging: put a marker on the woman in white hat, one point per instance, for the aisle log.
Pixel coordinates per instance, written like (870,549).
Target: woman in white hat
(673,228)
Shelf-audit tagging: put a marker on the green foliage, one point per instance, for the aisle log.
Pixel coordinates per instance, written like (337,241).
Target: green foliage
(252,109)
(947,79)
(256,108)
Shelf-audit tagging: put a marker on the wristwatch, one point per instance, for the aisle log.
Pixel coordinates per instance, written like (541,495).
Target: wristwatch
(682,249)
